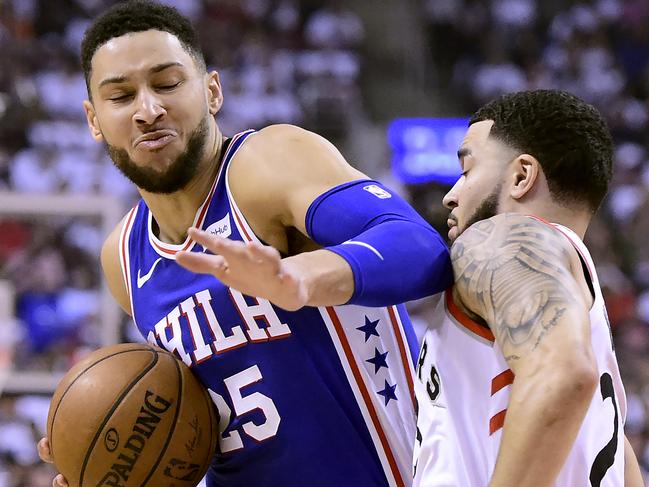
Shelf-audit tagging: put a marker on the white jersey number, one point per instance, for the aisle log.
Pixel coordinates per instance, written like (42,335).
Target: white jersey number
(245,404)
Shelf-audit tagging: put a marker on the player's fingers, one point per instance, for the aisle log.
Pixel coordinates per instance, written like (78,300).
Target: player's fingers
(43,448)
(235,252)
(201,263)
(59,481)
(264,255)
(211,242)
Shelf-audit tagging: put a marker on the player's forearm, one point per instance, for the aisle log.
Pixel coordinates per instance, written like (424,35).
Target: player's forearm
(632,473)
(545,412)
(396,261)
(394,255)
(327,277)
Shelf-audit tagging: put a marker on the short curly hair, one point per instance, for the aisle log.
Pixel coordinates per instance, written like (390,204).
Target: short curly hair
(568,137)
(137,16)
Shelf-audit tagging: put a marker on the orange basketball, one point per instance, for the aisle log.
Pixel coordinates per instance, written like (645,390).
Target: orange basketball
(131,415)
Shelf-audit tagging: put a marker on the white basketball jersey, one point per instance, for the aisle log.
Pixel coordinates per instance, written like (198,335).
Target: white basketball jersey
(463,383)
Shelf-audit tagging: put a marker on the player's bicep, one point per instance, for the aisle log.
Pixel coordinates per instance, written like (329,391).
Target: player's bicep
(514,272)
(111,266)
(299,166)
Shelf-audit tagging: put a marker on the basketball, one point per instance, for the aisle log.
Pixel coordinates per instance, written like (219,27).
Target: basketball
(131,414)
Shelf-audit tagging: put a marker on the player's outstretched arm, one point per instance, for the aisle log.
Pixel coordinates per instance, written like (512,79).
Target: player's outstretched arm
(376,250)
(515,273)
(632,473)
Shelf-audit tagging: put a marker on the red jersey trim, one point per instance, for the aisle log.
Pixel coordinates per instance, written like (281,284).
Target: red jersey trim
(501,381)
(497,421)
(402,351)
(464,320)
(170,250)
(349,355)
(124,253)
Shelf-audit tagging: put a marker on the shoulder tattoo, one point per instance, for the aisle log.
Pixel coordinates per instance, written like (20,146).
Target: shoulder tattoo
(514,272)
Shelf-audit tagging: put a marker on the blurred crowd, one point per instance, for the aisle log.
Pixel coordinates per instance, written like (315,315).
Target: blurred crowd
(299,61)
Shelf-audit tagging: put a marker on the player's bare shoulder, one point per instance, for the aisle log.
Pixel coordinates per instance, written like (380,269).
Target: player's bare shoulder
(110,263)
(281,169)
(291,152)
(515,272)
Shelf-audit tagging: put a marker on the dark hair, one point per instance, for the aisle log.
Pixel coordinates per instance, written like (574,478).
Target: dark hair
(137,16)
(568,137)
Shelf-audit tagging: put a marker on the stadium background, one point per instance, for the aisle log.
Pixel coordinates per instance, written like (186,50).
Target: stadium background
(343,69)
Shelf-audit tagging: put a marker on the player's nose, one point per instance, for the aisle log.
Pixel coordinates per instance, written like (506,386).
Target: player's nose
(149,109)
(450,199)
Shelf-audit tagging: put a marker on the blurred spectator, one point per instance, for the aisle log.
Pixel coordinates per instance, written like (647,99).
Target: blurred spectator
(334,26)
(22,424)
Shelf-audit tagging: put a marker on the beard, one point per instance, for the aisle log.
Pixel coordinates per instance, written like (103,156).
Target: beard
(180,172)
(486,209)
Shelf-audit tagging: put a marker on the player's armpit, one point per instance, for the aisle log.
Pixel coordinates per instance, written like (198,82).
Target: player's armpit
(514,272)
(112,268)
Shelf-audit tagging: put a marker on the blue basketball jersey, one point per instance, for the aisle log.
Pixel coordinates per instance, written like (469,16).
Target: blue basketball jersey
(316,397)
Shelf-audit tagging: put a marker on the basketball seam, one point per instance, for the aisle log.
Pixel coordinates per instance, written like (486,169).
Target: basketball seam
(174,423)
(112,410)
(56,410)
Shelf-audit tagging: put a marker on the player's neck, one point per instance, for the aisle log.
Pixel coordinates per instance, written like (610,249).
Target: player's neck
(174,213)
(575,220)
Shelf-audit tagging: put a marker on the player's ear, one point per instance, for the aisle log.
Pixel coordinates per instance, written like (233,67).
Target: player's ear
(214,92)
(525,173)
(93,123)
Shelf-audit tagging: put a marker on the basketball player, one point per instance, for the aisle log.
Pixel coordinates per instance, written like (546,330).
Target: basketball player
(313,376)
(517,381)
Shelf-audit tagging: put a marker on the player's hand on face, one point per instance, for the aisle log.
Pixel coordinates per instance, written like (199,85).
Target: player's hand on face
(250,268)
(45,454)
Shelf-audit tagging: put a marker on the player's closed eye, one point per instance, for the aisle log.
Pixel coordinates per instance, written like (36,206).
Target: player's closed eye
(121,98)
(169,86)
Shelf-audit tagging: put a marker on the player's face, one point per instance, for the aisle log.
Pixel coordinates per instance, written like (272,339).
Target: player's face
(477,194)
(152,104)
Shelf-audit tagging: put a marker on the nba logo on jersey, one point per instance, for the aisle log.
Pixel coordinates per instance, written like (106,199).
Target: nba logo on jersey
(376,191)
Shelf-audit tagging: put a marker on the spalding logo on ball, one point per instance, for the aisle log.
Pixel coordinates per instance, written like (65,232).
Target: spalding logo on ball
(131,415)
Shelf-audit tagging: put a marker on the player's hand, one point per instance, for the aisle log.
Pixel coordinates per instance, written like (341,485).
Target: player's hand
(250,268)
(46,455)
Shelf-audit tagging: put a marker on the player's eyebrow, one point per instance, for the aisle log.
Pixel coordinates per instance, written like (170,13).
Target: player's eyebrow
(155,69)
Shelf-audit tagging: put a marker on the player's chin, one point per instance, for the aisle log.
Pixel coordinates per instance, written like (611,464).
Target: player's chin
(159,161)
(453,233)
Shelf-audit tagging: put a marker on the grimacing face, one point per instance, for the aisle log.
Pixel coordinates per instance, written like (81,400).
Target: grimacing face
(477,194)
(151,104)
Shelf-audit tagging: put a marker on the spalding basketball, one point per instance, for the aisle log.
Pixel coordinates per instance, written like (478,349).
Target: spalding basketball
(131,415)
